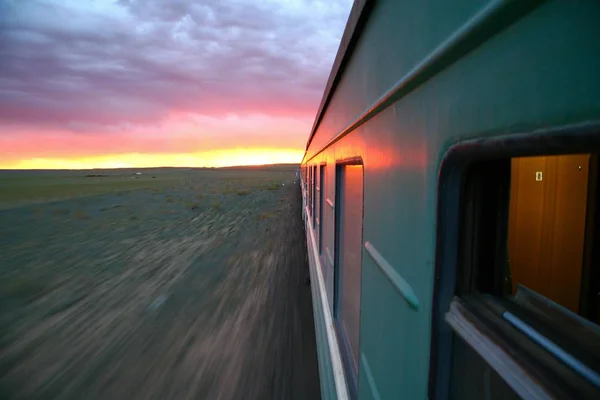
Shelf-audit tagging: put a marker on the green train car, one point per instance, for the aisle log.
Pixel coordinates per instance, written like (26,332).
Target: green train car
(451,205)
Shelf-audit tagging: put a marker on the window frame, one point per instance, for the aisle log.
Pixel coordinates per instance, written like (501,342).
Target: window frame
(343,340)
(314,195)
(322,170)
(571,139)
(307,184)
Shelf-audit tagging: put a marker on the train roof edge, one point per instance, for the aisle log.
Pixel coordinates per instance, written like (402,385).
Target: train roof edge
(354,25)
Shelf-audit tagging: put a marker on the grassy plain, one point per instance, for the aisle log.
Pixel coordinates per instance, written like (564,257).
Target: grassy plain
(26,187)
(177,283)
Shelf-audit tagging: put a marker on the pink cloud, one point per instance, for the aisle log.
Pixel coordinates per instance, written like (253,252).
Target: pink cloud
(180,133)
(153,76)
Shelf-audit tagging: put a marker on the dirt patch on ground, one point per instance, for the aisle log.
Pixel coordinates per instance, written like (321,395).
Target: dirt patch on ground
(195,291)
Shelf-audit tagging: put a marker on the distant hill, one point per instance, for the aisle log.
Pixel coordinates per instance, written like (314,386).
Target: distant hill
(146,170)
(283,167)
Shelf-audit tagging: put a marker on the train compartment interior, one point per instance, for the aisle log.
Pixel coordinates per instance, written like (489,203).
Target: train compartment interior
(526,279)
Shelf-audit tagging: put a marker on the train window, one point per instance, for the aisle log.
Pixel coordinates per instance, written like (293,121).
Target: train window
(529,266)
(347,264)
(310,190)
(304,177)
(321,213)
(314,194)
(306,185)
(303,183)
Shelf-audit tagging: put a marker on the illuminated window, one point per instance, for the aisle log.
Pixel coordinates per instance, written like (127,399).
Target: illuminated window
(321,210)
(527,276)
(348,260)
(314,195)
(310,190)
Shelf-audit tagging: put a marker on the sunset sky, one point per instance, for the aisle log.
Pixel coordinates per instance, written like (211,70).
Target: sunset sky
(118,83)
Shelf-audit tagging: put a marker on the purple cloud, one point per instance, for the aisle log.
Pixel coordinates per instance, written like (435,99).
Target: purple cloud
(72,63)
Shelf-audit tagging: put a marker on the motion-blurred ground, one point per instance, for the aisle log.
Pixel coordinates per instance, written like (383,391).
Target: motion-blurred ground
(177,284)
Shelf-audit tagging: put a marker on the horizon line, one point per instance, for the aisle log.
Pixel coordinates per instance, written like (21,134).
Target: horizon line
(142,168)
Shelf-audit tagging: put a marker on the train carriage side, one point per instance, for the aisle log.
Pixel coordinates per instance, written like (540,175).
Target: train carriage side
(449,192)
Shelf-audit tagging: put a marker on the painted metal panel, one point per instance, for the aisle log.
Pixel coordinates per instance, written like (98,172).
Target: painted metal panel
(514,65)
(356,20)
(333,383)
(400,200)
(326,373)
(539,70)
(397,36)
(473,379)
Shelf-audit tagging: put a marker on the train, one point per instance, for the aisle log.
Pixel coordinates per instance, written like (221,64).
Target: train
(450,202)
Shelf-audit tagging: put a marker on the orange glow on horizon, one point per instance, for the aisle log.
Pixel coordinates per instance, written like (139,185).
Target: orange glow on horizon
(215,158)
